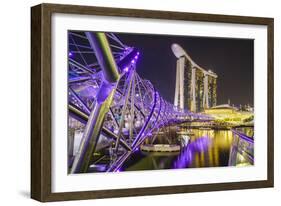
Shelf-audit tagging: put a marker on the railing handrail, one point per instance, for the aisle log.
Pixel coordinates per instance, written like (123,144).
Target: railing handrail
(243,136)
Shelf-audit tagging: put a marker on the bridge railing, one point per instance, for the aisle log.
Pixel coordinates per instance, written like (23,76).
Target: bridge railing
(242,150)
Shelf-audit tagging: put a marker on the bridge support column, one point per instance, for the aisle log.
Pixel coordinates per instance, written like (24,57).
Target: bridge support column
(100,45)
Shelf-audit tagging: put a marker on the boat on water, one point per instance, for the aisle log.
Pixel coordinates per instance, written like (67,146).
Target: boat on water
(186,132)
(205,128)
(160,148)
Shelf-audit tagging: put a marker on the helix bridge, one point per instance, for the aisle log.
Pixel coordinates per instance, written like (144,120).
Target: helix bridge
(115,108)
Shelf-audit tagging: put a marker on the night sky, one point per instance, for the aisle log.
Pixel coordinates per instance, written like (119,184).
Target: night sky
(231,59)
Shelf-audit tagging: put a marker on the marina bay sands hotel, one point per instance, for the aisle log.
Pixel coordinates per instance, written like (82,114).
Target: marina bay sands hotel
(196,88)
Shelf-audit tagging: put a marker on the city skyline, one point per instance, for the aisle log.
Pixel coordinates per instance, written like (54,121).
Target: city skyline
(230,59)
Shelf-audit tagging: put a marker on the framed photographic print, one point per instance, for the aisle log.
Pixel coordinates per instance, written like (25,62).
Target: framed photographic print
(132,102)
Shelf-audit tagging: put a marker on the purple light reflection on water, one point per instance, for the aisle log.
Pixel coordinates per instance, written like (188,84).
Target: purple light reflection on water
(186,156)
(201,144)
(184,159)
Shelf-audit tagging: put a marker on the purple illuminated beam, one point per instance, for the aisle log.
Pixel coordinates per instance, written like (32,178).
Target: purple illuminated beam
(100,45)
(136,143)
(141,133)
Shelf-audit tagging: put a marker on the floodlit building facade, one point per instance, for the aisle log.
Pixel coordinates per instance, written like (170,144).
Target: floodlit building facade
(196,88)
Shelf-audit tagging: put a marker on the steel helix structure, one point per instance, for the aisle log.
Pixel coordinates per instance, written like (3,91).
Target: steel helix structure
(115,109)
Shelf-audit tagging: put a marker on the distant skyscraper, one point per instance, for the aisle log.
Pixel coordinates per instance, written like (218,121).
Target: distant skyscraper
(196,88)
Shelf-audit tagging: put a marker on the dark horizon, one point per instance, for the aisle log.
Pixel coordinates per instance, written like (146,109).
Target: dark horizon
(231,59)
